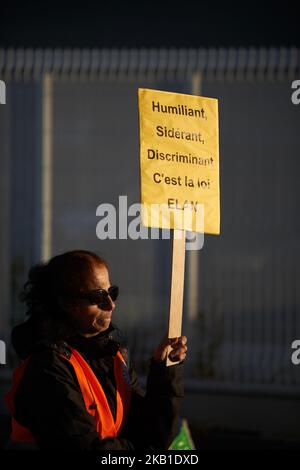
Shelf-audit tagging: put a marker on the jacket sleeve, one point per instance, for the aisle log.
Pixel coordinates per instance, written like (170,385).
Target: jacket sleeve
(49,402)
(153,419)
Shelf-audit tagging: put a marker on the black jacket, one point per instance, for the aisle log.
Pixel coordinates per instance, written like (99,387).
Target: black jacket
(49,400)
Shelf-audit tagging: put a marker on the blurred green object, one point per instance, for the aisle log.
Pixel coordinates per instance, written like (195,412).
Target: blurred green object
(183,440)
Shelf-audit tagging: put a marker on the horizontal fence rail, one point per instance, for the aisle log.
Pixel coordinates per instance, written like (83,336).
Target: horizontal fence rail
(222,64)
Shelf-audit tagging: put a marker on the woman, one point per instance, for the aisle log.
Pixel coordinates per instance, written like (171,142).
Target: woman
(75,388)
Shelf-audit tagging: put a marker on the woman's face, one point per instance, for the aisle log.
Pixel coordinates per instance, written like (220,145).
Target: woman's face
(88,319)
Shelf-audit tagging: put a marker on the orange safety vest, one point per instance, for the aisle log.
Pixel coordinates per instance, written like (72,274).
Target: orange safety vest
(94,397)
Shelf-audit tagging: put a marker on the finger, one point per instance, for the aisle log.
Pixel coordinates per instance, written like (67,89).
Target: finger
(180,341)
(168,341)
(181,357)
(177,347)
(161,351)
(174,357)
(182,350)
(175,353)
(173,340)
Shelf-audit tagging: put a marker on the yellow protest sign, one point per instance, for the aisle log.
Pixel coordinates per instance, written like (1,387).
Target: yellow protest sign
(179,156)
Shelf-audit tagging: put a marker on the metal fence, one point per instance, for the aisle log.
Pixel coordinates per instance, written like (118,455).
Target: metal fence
(246,312)
(225,64)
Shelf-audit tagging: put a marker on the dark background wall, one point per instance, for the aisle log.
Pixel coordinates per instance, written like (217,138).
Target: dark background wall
(149,24)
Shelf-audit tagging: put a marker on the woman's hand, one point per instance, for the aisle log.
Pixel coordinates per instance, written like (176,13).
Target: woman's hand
(179,349)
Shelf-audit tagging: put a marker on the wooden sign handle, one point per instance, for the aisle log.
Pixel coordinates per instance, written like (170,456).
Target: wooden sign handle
(177,286)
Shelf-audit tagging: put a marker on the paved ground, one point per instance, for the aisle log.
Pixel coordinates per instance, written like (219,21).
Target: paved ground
(205,440)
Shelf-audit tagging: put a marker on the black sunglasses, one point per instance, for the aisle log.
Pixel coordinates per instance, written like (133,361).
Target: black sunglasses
(100,296)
